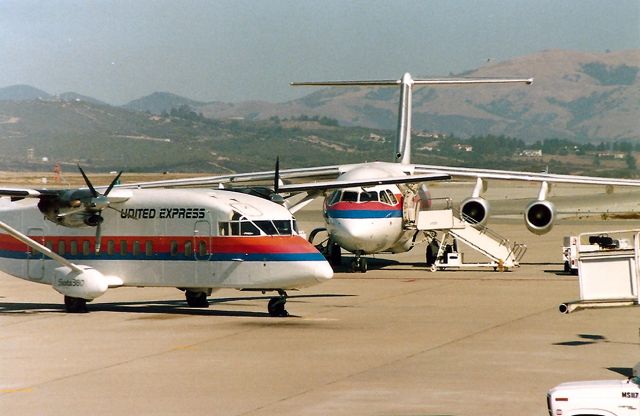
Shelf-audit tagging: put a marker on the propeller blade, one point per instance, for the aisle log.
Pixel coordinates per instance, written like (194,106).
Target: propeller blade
(88,182)
(98,237)
(113,183)
(276,176)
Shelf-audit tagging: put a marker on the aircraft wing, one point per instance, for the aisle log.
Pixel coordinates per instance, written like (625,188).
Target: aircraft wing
(457,172)
(264,176)
(325,185)
(21,193)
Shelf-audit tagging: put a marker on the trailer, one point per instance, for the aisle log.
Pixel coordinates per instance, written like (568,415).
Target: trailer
(608,276)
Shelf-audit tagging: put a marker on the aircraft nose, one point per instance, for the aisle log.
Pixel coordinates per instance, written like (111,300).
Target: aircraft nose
(323,271)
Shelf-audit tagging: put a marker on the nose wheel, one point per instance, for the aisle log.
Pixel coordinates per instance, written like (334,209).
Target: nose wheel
(359,264)
(276,305)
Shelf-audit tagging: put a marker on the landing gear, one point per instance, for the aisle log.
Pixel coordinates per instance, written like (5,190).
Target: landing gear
(276,305)
(334,254)
(75,305)
(359,264)
(196,299)
(323,243)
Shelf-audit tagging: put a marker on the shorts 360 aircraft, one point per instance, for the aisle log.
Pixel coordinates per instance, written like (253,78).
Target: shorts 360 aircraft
(83,242)
(371,203)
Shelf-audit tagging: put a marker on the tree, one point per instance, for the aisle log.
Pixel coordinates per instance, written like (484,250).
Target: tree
(630,160)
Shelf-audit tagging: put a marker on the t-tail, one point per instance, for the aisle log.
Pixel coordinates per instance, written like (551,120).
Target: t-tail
(406,83)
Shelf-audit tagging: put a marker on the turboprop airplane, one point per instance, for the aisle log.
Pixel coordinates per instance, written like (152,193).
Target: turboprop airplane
(373,204)
(83,242)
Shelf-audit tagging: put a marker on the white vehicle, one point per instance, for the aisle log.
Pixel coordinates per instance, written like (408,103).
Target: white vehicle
(595,398)
(608,270)
(570,253)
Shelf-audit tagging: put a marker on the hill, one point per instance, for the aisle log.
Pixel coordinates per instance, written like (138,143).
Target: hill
(22,93)
(161,102)
(580,96)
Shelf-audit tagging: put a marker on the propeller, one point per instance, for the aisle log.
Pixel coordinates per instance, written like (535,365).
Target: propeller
(96,204)
(275,196)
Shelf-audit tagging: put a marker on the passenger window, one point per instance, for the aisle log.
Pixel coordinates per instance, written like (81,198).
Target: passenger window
(111,247)
(202,248)
(123,248)
(136,248)
(61,247)
(173,248)
(73,248)
(188,248)
(86,247)
(349,196)
(49,244)
(148,248)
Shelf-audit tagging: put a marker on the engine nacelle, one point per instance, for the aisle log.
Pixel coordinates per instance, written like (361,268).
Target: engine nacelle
(476,209)
(88,284)
(539,216)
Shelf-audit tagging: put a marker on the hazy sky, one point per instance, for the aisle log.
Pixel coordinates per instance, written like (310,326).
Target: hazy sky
(234,50)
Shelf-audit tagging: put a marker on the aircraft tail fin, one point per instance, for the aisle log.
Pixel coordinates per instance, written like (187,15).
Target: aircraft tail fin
(403,135)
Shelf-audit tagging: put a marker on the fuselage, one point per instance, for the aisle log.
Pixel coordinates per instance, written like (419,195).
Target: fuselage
(368,220)
(193,238)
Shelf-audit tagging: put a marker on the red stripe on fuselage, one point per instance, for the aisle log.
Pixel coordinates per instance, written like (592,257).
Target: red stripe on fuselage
(162,244)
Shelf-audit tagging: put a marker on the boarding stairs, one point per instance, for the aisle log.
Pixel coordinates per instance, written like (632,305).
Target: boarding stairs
(450,223)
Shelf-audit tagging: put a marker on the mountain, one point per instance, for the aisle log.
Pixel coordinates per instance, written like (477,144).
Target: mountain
(72,96)
(161,102)
(575,95)
(22,93)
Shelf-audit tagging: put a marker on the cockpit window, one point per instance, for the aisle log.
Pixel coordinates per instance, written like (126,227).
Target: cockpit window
(392,197)
(368,196)
(244,226)
(384,198)
(334,197)
(349,196)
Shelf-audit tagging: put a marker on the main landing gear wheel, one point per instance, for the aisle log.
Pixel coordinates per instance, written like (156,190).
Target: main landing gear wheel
(75,305)
(276,306)
(196,299)
(359,264)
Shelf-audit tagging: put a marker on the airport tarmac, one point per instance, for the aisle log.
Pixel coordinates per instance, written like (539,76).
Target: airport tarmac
(398,340)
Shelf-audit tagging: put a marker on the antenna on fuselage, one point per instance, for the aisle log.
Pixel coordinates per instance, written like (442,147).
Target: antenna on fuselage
(403,135)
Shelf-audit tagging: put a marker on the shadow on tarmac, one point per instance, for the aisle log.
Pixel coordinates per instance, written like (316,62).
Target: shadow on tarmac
(167,307)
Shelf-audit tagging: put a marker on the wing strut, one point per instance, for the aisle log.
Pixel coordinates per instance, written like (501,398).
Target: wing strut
(39,247)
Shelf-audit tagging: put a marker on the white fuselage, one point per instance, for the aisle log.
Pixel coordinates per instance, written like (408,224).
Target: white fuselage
(368,220)
(192,238)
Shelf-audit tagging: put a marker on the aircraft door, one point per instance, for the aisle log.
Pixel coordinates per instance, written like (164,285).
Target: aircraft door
(202,251)
(35,259)
(202,240)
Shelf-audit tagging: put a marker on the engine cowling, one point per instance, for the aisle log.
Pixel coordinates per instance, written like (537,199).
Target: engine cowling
(539,216)
(87,284)
(475,208)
